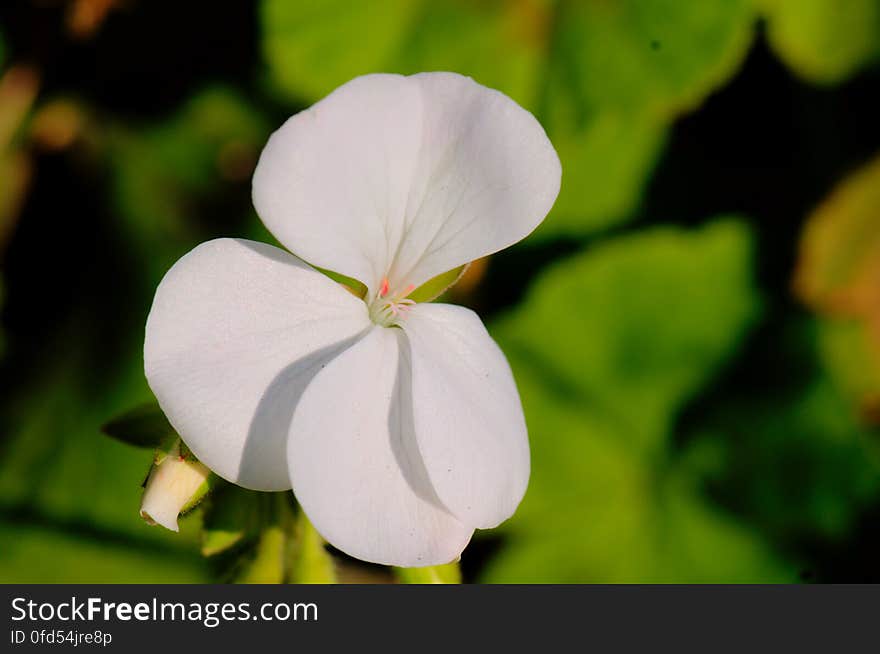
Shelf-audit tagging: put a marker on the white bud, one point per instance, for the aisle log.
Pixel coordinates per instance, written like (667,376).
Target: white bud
(175,481)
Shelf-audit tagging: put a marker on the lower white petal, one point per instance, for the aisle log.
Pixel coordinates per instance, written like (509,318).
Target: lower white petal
(468,417)
(354,463)
(236,331)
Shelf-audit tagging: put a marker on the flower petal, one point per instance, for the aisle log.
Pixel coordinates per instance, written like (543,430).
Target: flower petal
(332,182)
(354,464)
(406,177)
(468,418)
(236,331)
(487,176)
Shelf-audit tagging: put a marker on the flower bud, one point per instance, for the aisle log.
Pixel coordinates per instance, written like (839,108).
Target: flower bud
(177,482)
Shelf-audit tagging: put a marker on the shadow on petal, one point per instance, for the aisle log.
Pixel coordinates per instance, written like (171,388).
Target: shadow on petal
(269,429)
(401,428)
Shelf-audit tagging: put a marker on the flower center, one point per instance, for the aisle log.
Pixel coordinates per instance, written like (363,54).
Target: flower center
(388,308)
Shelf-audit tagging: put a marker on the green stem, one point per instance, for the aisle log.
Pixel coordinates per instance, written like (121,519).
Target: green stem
(310,561)
(448,573)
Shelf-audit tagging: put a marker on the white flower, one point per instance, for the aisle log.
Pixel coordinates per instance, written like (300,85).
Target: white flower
(398,425)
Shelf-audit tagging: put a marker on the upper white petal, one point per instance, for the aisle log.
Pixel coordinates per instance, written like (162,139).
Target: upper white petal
(487,176)
(355,466)
(468,417)
(406,177)
(332,182)
(236,331)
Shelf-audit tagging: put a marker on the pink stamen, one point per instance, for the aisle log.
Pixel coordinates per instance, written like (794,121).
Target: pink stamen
(383,289)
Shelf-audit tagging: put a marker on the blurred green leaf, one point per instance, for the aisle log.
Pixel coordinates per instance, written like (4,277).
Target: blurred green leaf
(599,511)
(56,464)
(605,78)
(143,426)
(852,357)
(18,90)
(837,272)
(165,174)
(662,56)
(38,554)
(605,165)
(824,41)
(647,321)
(643,318)
(839,253)
(790,451)
(313,47)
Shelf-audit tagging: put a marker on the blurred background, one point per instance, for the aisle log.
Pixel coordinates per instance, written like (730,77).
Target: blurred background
(695,328)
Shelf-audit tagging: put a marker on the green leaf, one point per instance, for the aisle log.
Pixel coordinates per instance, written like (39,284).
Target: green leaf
(164,173)
(448,573)
(606,162)
(600,511)
(605,78)
(58,465)
(37,553)
(839,258)
(18,91)
(647,320)
(143,426)
(340,39)
(852,357)
(837,271)
(791,452)
(643,319)
(662,56)
(824,41)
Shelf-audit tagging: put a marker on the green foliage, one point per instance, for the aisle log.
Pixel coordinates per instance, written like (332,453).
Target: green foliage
(58,470)
(660,56)
(644,321)
(852,359)
(144,426)
(647,320)
(801,467)
(232,514)
(314,47)
(263,538)
(39,554)
(824,41)
(604,78)
(163,175)
(787,447)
